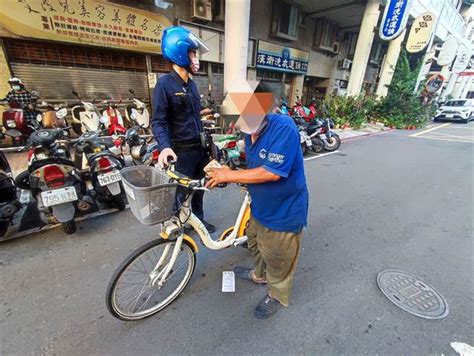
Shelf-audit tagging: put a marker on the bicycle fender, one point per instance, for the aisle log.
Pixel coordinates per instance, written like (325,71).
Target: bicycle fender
(187,238)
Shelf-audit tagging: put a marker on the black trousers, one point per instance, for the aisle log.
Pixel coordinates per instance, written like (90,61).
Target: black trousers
(192,163)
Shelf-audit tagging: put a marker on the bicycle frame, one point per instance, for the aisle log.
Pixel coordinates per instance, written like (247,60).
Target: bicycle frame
(174,227)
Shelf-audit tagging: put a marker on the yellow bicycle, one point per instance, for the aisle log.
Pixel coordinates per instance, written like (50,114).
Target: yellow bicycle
(155,274)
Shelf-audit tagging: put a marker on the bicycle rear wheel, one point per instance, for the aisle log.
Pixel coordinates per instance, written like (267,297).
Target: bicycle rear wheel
(131,295)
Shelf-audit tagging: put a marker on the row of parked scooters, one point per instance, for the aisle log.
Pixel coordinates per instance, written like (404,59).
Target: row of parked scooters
(70,177)
(315,131)
(84,117)
(61,186)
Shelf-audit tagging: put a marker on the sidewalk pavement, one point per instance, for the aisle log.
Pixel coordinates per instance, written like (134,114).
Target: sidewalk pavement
(365,130)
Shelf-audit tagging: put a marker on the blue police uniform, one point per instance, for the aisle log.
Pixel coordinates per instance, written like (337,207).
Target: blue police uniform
(281,205)
(176,124)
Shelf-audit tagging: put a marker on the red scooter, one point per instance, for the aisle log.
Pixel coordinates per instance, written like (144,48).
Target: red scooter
(113,120)
(16,125)
(307,113)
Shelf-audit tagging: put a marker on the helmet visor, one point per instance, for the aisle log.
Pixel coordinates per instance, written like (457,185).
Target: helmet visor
(202,48)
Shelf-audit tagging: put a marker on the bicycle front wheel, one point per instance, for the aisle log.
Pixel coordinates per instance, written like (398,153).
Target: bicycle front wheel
(134,294)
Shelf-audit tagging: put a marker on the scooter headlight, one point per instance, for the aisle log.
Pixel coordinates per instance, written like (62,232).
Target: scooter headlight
(11,124)
(133,115)
(39,117)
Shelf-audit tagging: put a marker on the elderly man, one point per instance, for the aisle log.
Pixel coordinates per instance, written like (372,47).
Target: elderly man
(277,185)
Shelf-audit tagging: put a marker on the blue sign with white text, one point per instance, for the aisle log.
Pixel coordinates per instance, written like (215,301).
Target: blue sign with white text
(394,19)
(284,59)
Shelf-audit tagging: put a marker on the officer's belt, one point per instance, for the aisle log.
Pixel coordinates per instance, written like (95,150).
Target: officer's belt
(189,145)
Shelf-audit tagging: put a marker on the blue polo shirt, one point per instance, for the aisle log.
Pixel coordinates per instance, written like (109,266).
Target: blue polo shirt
(280,205)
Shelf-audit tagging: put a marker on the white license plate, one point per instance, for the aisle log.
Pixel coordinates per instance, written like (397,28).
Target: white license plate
(59,196)
(449,115)
(109,178)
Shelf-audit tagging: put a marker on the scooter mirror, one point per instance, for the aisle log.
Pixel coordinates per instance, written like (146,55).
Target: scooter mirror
(75,93)
(131,91)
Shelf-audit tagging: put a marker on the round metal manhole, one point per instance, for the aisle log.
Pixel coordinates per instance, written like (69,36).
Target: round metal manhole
(412,294)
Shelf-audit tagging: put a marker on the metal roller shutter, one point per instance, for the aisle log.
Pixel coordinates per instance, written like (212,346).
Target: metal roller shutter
(58,82)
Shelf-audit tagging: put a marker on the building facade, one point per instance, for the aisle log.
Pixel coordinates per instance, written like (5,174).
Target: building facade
(300,48)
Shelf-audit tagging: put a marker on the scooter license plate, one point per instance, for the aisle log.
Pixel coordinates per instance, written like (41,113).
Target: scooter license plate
(109,178)
(59,196)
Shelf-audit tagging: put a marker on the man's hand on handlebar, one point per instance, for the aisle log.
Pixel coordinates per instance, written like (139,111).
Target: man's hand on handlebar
(165,156)
(218,176)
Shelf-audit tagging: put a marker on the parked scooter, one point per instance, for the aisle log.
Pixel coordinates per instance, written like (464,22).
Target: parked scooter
(141,151)
(15,122)
(52,179)
(9,203)
(104,168)
(137,114)
(112,119)
(305,140)
(85,116)
(53,117)
(320,133)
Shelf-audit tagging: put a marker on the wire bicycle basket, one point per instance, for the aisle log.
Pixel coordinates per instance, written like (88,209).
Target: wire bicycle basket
(150,194)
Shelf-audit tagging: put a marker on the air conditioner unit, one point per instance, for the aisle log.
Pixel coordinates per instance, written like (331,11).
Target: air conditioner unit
(345,64)
(201,10)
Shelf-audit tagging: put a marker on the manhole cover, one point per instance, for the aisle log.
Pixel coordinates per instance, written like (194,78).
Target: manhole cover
(412,294)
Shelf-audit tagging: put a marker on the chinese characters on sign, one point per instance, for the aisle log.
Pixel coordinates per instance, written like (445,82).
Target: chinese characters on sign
(394,19)
(84,21)
(276,57)
(420,33)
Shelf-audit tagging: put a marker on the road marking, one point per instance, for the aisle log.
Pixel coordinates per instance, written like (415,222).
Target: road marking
(445,139)
(463,349)
(429,130)
(320,156)
(435,134)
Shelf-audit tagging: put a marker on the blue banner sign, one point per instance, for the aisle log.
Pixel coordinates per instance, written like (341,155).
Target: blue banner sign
(394,19)
(276,57)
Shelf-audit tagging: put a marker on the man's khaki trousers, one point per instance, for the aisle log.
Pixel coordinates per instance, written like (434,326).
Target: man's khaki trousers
(276,256)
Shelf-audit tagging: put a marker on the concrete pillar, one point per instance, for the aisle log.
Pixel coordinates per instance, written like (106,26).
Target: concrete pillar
(388,68)
(459,87)
(237,18)
(467,88)
(364,45)
(449,88)
(297,83)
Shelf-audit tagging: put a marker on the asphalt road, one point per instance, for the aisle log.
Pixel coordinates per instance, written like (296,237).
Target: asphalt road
(386,201)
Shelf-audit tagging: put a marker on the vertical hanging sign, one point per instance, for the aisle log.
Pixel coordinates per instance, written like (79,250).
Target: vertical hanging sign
(394,19)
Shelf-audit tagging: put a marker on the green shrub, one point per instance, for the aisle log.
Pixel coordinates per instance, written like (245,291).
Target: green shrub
(402,107)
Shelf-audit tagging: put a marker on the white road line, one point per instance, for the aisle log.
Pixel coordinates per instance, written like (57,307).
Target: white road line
(320,156)
(463,349)
(432,129)
(445,139)
(436,134)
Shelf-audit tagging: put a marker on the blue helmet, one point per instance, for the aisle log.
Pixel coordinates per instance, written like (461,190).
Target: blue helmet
(176,44)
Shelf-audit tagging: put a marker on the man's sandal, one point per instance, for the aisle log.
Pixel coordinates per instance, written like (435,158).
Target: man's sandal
(244,273)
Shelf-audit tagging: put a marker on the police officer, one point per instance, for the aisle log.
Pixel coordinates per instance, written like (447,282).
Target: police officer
(176,121)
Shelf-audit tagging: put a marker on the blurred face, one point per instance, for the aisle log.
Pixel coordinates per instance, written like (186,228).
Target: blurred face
(194,59)
(253,108)
(16,86)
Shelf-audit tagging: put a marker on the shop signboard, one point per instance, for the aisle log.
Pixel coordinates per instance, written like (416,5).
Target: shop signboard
(89,22)
(462,61)
(277,57)
(448,51)
(394,19)
(420,32)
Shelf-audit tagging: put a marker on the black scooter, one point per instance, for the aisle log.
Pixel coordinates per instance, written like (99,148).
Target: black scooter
(9,203)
